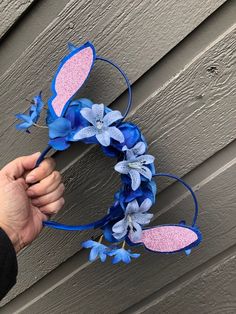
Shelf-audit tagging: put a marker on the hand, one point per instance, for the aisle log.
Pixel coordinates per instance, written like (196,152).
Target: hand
(23,208)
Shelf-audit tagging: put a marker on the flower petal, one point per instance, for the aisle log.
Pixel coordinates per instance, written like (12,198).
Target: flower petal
(59,128)
(116,134)
(23,126)
(102,256)
(103,138)
(146,159)
(146,172)
(120,226)
(116,259)
(119,236)
(129,154)
(135,179)
(137,233)
(88,131)
(93,253)
(122,167)
(88,114)
(88,244)
(24,117)
(132,207)
(146,205)
(139,148)
(111,117)
(98,111)
(142,219)
(134,255)
(125,256)
(59,143)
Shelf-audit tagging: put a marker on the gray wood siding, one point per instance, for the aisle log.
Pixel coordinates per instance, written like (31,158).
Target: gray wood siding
(185,106)
(10,11)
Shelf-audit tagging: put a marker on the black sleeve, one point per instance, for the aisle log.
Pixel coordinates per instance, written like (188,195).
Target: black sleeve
(8,264)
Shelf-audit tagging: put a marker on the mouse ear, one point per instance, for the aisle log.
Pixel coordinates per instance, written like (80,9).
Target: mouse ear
(170,238)
(70,76)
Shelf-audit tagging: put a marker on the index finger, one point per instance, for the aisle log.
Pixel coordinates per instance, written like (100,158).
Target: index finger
(45,168)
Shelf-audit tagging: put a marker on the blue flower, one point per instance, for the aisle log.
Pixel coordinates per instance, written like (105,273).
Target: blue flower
(38,103)
(59,130)
(132,136)
(101,125)
(122,255)
(73,113)
(97,250)
(28,121)
(33,116)
(136,167)
(135,216)
(147,189)
(60,127)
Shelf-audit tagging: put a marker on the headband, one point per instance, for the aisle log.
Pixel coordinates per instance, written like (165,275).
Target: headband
(70,120)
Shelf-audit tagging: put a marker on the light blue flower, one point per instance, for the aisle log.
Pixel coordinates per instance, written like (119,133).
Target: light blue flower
(136,167)
(97,250)
(135,216)
(122,255)
(137,150)
(101,125)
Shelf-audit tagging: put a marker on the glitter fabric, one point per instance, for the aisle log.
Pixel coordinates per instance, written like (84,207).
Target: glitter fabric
(169,238)
(72,73)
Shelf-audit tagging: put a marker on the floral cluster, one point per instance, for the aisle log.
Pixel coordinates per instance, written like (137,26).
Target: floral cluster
(97,124)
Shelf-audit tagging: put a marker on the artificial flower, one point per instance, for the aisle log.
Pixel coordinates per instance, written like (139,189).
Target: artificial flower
(136,167)
(97,250)
(122,255)
(137,150)
(135,216)
(28,121)
(101,125)
(33,116)
(61,127)
(38,103)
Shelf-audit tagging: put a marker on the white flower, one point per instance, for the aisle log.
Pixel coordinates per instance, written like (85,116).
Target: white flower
(137,150)
(100,125)
(135,216)
(136,167)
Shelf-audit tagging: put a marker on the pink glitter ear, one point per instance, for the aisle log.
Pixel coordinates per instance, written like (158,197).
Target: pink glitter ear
(70,76)
(170,238)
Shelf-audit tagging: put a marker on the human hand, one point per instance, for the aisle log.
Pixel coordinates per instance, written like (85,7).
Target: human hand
(23,208)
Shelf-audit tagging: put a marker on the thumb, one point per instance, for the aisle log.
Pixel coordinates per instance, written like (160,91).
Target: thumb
(17,167)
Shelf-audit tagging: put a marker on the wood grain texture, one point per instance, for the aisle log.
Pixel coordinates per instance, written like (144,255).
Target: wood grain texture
(212,291)
(10,11)
(210,118)
(105,288)
(118,33)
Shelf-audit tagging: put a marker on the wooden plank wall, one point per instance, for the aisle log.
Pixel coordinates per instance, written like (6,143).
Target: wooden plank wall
(181,58)
(10,12)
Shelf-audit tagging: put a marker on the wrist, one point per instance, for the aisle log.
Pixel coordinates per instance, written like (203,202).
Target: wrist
(13,236)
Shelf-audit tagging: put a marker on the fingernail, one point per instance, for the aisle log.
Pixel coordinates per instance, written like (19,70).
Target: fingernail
(30,179)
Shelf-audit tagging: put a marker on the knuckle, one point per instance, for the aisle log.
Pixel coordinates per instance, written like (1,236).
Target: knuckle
(43,171)
(62,201)
(62,187)
(56,175)
(51,162)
